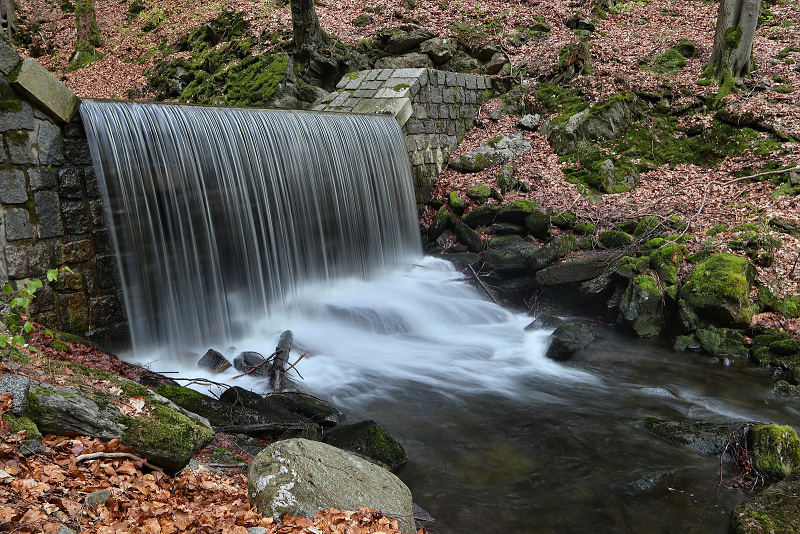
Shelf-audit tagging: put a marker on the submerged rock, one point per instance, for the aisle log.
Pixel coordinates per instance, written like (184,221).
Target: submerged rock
(545,320)
(301,477)
(569,339)
(708,437)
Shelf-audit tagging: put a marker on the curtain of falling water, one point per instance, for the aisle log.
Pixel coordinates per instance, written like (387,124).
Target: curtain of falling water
(222,215)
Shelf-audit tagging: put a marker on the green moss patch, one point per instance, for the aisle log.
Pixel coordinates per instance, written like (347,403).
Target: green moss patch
(776,449)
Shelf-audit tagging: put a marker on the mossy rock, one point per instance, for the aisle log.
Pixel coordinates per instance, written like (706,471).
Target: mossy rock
(479,193)
(708,437)
(631,266)
(776,510)
(18,424)
(791,306)
(456,204)
(564,219)
(366,438)
(545,320)
(439,224)
(584,228)
(666,260)
(722,342)
(615,239)
(569,338)
(469,237)
(718,290)
(653,244)
(785,347)
(481,216)
(641,306)
(776,449)
(783,388)
(516,212)
(716,229)
(670,61)
(686,342)
(538,224)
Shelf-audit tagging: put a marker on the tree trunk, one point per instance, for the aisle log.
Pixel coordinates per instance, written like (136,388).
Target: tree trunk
(307,32)
(88,35)
(8,19)
(733,38)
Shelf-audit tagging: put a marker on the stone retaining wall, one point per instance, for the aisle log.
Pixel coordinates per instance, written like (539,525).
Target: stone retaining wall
(435,109)
(51,213)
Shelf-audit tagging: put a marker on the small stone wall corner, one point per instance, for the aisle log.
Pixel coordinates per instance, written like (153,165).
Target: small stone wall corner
(434,108)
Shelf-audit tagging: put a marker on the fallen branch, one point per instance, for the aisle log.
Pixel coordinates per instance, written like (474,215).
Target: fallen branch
(269,359)
(227,466)
(482,284)
(95,455)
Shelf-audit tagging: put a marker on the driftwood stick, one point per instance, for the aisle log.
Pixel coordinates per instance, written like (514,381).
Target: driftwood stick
(95,455)
(277,372)
(292,366)
(483,285)
(269,359)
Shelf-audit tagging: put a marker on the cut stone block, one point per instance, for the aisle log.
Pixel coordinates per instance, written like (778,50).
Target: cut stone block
(44,89)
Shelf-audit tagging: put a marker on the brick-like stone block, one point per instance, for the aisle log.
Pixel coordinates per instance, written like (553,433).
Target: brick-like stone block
(89,273)
(69,280)
(20,148)
(105,310)
(39,178)
(383,74)
(28,261)
(70,181)
(76,219)
(48,214)
(97,213)
(43,88)
(12,187)
(51,144)
(103,241)
(107,273)
(17,116)
(77,251)
(73,312)
(90,181)
(77,151)
(18,224)
(43,301)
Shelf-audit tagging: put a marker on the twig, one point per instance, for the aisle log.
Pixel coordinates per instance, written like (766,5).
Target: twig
(482,284)
(227,466)
(94,455)
(259,365)
(292,365)
(244,429)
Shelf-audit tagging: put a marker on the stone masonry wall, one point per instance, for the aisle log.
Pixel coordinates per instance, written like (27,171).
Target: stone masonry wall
(51,213)
(435,109)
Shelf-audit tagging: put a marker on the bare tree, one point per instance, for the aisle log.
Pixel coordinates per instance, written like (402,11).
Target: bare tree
(308,34)
(732,54)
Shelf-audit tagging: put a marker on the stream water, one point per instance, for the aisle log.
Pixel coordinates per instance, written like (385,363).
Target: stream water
(233,225)
(500,438)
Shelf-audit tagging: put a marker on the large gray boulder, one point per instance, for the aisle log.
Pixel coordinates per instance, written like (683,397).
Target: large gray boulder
(404,40)
(569,339)
(301,477)
(607,120)
(494,152)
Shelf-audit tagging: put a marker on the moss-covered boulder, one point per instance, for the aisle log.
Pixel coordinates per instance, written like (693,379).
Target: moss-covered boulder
(368,439)
(641,306)
(776,449)
(666,260)
(516,212)
(439,224)
(568,339)
(570,272)
(545,320)
(469,237)
(722,342)
(584,228)
(481,216)
(615,239)
(775,510)
(479,193)
(457,204)
(538,224)
(718,290)
(564,219)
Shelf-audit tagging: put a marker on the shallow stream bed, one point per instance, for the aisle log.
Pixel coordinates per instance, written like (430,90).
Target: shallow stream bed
(502,439)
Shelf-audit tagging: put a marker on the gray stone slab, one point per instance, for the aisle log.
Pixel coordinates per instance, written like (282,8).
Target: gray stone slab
(9,59)
(371,75)
(18,224)
(363,93)
(40,179)
(51,144)
(436,95)
(70,181)
(2,150)
(20,148)
(77,151)
(340,99)
(433,112)
(28,261)
(19,386)
(450,79)
(76,219)
(374,85)
(12,187)
(17,117)
(420,112)
(43,88)
(390,92)
(448,95)
(408,73)
(48,214)
(472,81)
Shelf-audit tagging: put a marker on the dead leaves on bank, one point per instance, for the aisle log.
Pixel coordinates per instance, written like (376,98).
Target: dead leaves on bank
(43,491)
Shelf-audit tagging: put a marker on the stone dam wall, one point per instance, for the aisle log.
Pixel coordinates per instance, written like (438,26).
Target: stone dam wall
(52,214)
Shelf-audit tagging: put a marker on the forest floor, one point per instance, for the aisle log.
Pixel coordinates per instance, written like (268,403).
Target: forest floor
(704,197)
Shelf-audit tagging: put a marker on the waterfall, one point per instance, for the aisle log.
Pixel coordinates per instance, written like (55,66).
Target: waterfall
(222,216)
